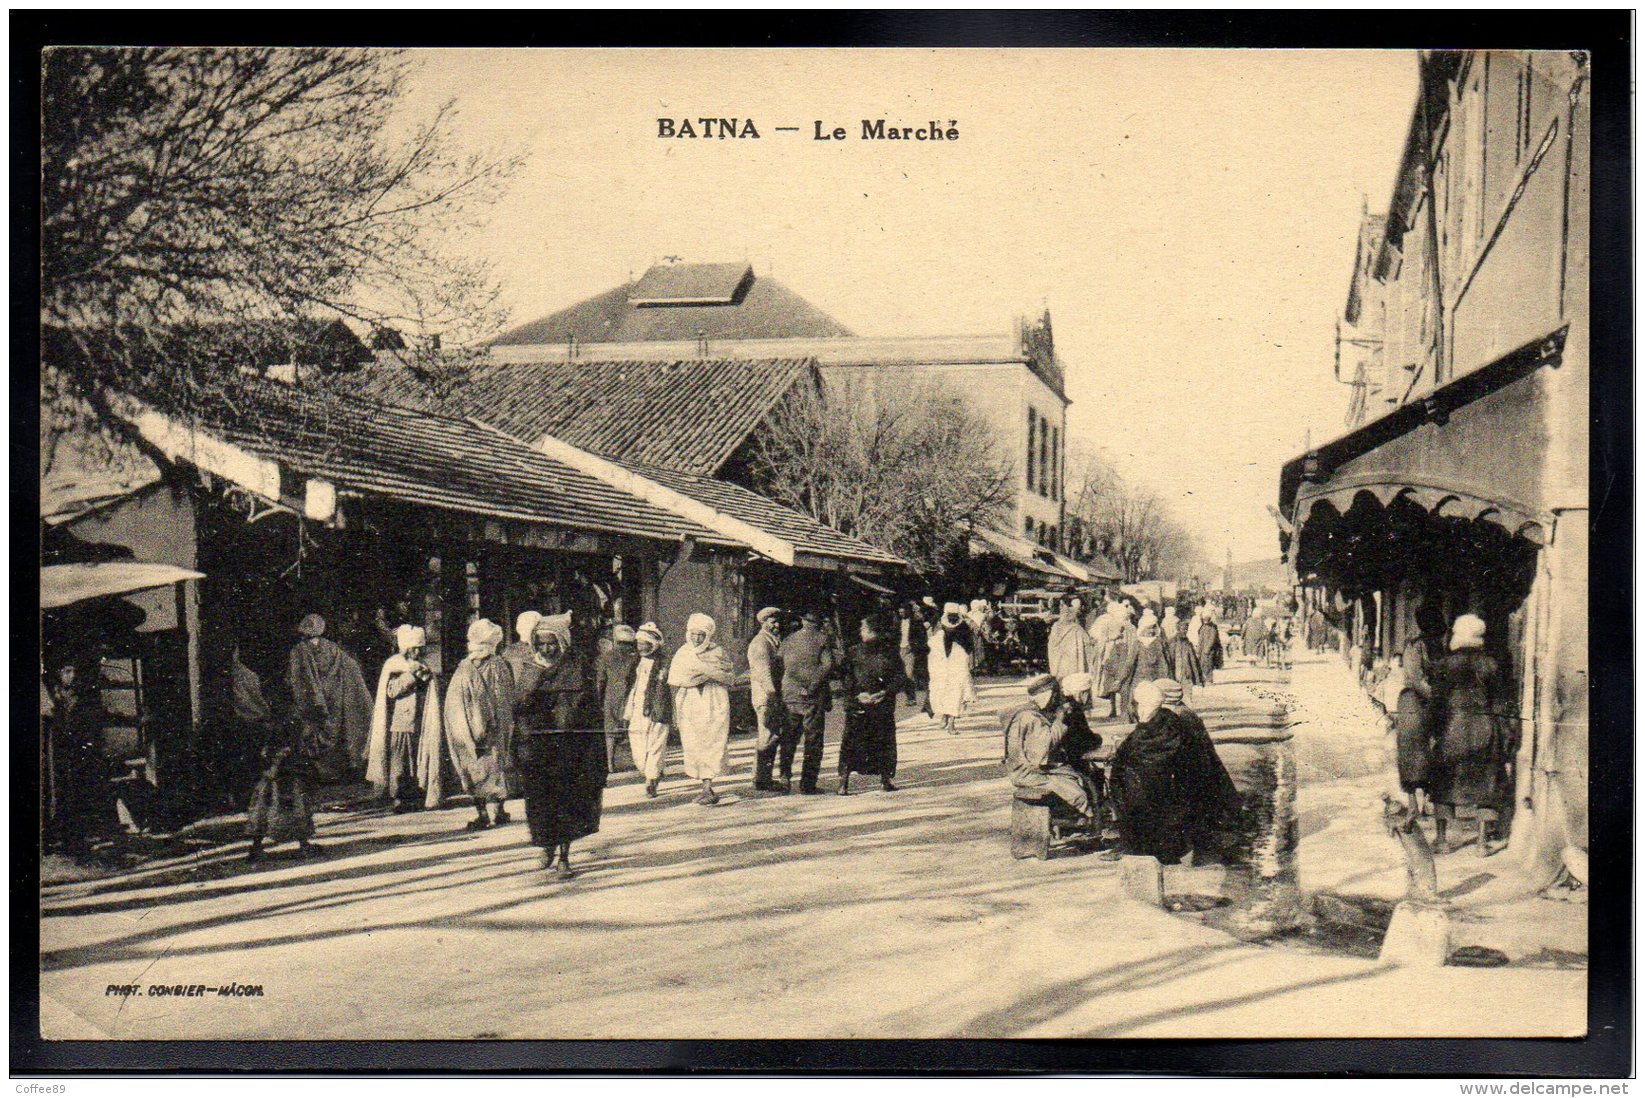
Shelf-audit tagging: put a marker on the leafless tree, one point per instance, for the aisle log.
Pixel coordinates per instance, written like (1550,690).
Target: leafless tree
(1126,522)
(900,462)
(194,197)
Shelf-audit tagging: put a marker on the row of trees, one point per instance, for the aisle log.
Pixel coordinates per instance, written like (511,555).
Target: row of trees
(910,466)
(906,466)
(1126,522)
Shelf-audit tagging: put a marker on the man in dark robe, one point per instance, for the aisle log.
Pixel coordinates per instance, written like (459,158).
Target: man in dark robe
(1182,657)
(558,747)
(1170,791)
(613,670)
(1474,746)
(1078,739)
(1215,801)
(873,673)
(1208,641)
(83,802)
(282,804)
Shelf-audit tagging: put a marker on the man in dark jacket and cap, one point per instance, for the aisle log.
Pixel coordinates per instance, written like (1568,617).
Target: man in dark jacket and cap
(809,663)
(1032,738)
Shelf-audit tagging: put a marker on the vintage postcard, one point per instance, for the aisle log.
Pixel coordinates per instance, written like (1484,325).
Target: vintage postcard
(657,544)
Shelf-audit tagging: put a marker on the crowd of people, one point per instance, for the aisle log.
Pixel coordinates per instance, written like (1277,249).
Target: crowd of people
(546,717)
(1129,642)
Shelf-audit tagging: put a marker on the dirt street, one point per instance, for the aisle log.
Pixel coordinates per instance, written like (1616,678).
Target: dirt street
(875,915)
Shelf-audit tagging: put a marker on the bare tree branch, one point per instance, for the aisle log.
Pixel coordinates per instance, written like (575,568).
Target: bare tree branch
(189,191)
(1127,523)
(904,464)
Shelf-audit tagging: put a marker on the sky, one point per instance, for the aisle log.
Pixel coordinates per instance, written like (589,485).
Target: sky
(1188,217)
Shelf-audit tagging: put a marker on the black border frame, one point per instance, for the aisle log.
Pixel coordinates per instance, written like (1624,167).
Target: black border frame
(1605,35)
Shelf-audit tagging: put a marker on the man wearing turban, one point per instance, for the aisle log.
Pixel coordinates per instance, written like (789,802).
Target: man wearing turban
(1070,649)
(612,670)
(701,676)
(330,697)
(1171,793)
(479,723)
(648,709)
(559,745)
(952,647)
(1116,640)
(405,727)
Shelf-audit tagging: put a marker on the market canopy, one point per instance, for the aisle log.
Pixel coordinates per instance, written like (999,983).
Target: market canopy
(1029,558)
(1469,450)
(66,584)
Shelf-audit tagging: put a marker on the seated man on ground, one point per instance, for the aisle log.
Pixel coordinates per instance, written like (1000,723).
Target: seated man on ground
(1215,816)
(1170,791)
(1033,739)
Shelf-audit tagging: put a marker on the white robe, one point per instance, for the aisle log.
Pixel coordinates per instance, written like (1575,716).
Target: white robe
(702,713)
(430,745)
(647,739)
(951,688)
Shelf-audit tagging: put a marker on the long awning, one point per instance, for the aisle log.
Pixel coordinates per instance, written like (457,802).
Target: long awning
(66,584)
(1034,560)
(1472,449)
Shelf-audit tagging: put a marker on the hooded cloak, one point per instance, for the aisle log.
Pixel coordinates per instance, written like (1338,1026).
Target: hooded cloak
(479,715)
(427,748)
(330,697)
(702,701)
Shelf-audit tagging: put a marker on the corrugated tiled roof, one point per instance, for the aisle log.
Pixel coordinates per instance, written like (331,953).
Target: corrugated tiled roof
(434,460)
(805,533)
(688,415)
(767,310)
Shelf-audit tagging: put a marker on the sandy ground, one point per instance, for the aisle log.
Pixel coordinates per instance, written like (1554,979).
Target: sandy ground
(876,915)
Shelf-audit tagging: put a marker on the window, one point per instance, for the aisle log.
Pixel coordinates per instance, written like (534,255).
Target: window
(1056,463)
(1033,445)
(1028,527)
(1045,455)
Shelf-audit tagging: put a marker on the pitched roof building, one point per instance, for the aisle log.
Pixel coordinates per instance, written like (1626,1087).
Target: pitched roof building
(683,302)
(750,330)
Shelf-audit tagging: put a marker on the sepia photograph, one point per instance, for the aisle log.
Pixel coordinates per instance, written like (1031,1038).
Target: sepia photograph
(656,544)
